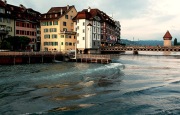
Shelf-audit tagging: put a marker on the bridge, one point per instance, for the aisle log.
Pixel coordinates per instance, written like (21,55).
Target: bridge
(116,49)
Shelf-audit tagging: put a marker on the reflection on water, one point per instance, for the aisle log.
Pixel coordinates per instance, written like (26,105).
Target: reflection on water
(140,84)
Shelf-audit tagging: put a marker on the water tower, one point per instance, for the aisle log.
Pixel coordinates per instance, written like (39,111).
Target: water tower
(167,39)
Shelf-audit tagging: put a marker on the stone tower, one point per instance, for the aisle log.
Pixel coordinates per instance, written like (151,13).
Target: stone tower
(167,39)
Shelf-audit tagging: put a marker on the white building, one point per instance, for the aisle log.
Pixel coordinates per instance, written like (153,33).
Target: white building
(88,28)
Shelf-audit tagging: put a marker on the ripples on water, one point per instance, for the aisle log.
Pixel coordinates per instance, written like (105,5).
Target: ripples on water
(129,85)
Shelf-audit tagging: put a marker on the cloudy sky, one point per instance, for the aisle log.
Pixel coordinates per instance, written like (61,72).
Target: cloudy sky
(140,19)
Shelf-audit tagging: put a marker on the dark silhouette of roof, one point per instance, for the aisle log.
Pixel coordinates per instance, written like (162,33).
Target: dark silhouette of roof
(167,36)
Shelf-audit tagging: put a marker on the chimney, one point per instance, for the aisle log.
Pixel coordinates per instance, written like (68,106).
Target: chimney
(89,9)
(61,11)
(67,7)
(5,2)
(22,6)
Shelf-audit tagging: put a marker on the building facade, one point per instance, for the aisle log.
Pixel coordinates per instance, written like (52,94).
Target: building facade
(57,29)
(6,22)
(19,21)
(118,31)
(95,29)
(27,24)
(88,28)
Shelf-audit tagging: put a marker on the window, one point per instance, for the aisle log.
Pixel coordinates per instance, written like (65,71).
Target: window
(83,30)
(17,31)
(45,30)
(54,36)
(83,23)
(70,44)
(83,38)
(17,23)
(54,43)
(8,21)
(64,29)
(55,15)
(55,23)
(46,36)
(9,28)
(43,23)
(2,10)
(23,25)
(94,23)
(28,25)
(45,43)
(67,36)
(62,36)
(64,23)
(66,16)
(66,43)
(27,32)
(53,30)
(61,43)
(50,23)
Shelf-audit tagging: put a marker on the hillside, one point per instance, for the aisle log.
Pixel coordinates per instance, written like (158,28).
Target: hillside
(142,42)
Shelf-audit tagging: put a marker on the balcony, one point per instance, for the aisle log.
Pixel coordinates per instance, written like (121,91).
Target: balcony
(68,32)
(3,32)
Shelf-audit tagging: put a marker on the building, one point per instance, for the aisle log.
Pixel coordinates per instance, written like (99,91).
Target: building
(19,21)
(95,29)
(6,21)
(118,31)
(88,28)
(57,29)
(167,39)
(27,24)
(108,27)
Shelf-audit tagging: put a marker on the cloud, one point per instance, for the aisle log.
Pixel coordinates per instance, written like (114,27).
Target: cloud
(141,19)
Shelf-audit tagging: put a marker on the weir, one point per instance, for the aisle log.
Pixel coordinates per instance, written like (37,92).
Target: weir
(29,57)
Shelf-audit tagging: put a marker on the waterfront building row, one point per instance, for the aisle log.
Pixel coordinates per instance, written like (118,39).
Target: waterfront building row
(19,21)
(60,29)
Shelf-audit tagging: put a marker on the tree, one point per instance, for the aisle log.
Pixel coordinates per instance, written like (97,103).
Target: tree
(17,42)
(175,42)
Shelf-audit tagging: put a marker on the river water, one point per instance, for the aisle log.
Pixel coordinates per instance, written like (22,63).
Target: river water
(132,84)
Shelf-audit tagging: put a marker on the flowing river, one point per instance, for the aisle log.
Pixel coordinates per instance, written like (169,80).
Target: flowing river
(132,84)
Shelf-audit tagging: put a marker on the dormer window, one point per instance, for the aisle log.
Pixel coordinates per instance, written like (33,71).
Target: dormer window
(55,15)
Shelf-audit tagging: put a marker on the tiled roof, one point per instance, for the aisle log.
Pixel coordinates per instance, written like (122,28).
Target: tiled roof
(58,11)
(84,14)
(167,35)
(2,4)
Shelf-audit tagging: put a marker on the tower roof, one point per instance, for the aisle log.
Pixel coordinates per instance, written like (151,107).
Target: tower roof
(167,36)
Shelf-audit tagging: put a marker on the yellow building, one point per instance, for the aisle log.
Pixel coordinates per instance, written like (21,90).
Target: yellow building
(57,29)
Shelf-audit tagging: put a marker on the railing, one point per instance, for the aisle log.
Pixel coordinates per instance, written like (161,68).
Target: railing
(91,56)
(3,32)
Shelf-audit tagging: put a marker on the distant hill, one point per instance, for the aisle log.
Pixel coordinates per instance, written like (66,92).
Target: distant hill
(143,42)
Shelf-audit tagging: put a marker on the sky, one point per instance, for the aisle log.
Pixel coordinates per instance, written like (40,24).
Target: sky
(139,19)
